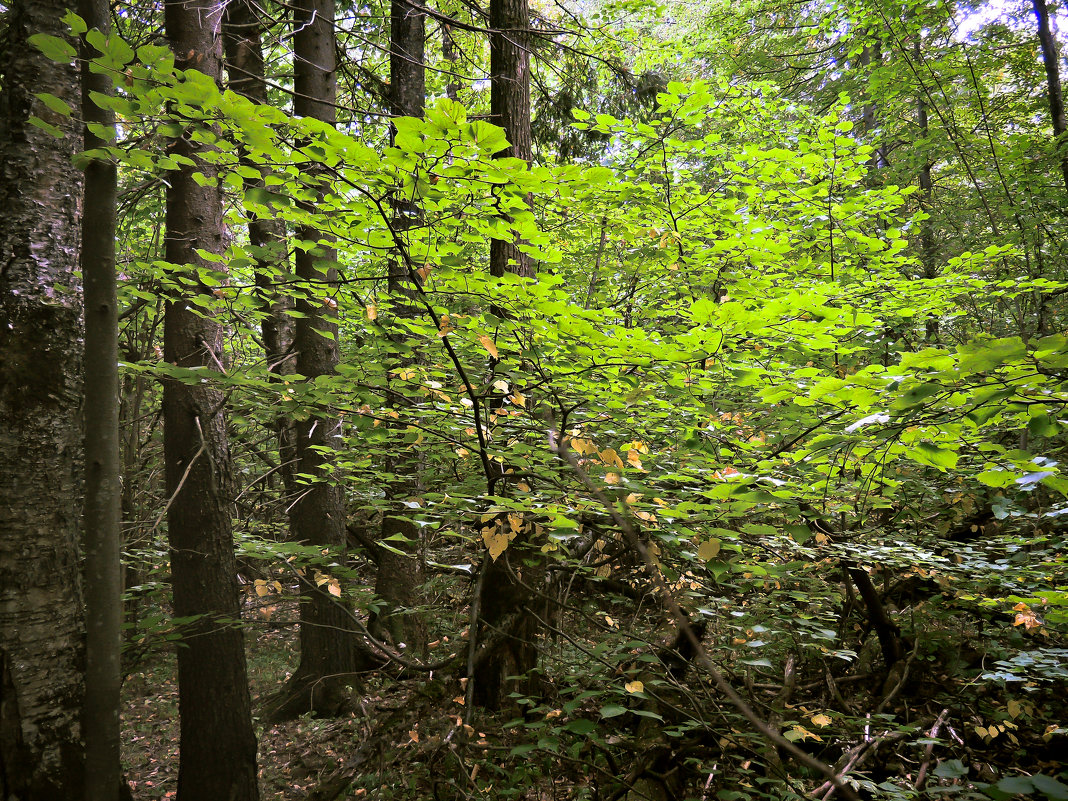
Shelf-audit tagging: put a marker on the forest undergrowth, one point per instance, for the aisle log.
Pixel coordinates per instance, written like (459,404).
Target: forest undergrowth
(974,709)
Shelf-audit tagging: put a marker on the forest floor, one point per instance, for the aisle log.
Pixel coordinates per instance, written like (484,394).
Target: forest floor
(394,736)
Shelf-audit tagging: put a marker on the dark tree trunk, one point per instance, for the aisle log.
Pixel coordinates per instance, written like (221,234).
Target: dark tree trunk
(399,574)
(218,747)
(927,241)
(242,28)
(508,619)
(41,623)
(510,109)
(327,642)
(1052,62)
(103,469)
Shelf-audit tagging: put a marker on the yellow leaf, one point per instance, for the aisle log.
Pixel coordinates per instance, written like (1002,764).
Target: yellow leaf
(459,700)
(583,446)
(519,399)
(610,622)
(1014,708)
(372,312)
(821,719)
(801,733)
(555,713)
(334,588)
(635,459)
(414,735)
(981,731)
(500,385)
(523,486)
(611,458)
(611,478)
(708,550)
(634,686)
(489,345)
(515,521)
(496,540)
(261,588)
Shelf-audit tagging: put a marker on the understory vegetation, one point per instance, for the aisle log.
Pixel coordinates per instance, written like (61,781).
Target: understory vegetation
(711,448)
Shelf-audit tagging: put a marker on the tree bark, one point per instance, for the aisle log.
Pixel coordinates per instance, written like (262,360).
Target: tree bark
(508,626)
(327,640)
(103,467)
(510,109)
(399,574)
(242,28)
(41,622)
(218,747)
(926,182)
(1051,61)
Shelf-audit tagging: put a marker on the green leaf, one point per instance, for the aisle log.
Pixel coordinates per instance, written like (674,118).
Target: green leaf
(1050,786)
(53,47)
(950,769)
(1016,785)
(933,456)
(580,726)
(47,127)
(612,710)
(56,104)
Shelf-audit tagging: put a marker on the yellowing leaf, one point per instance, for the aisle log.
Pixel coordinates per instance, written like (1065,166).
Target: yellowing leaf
(1028,620)
(708,550)
(496,540)
(583,446)
(489,345)
(634,686)
(801,733)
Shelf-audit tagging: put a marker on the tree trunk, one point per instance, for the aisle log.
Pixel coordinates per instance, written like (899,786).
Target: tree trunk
(510,109)
(399,574)
(103,469)
(218,747)
(242,27)
(508,626)
(1052,62)
(41,623)
(327,642)
(927,243)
